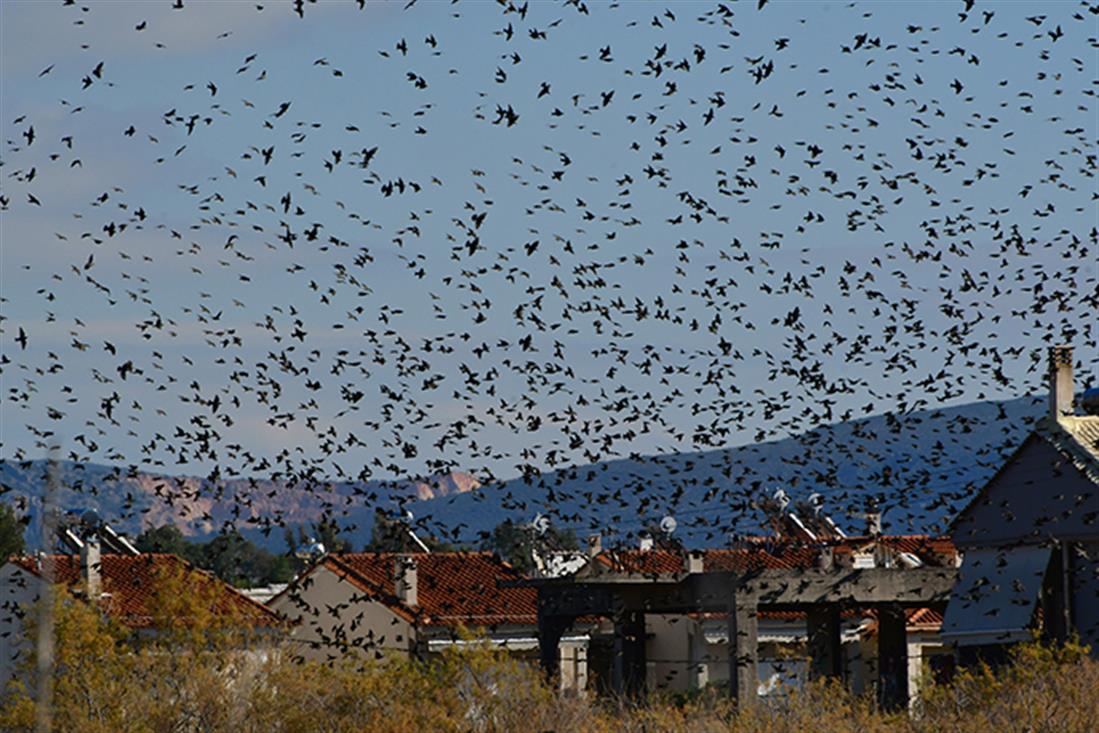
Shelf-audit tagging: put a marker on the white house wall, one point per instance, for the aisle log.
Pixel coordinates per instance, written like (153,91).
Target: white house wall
(668,662)
(328,605)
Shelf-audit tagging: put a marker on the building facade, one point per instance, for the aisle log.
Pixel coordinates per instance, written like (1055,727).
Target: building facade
(1031,536)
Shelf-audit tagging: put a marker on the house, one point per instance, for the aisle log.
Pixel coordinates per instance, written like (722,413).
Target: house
(686,651)
(409,605)
(127,588)
(1031,535)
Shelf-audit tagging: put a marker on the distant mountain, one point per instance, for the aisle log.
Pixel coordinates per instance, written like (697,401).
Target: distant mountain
(132,500)
(920,468)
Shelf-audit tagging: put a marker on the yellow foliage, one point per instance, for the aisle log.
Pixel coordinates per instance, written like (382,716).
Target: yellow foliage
(90,683)
(190,678)
(1043,689)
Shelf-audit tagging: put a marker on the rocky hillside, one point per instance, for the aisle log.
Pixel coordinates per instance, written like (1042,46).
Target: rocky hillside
(132,500)
(920,467)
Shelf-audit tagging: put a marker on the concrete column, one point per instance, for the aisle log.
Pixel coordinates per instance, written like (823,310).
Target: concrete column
(550,630)
(628,670)
(892,658)
(743,650)
(825,644)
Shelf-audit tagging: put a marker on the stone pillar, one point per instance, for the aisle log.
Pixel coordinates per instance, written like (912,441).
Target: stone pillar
(892,658)
(629,669)
(743,650)
(825,643)
(550,630)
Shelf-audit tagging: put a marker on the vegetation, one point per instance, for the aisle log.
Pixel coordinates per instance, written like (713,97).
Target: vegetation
(229,555)
(204,675)
(392,534)
(514,542)
(325,532)
(11,532)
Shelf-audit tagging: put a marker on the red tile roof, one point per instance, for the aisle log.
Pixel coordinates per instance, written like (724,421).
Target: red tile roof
(789,557)
(130,583)
(466,587)
(642,562)
(924,617)
(765,553)
(923,546)
(452,587)
(917,619)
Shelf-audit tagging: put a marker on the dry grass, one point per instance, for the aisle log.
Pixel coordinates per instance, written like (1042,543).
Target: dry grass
(106,682)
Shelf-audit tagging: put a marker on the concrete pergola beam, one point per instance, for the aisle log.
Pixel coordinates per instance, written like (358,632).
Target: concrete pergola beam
(773,589)
(626,598)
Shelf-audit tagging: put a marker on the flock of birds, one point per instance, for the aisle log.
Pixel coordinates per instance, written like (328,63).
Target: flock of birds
(542,236)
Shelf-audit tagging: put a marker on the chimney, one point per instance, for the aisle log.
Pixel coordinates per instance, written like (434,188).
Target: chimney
(1060,382)
(595,545)
(645,542)
(404,579)
(90,568)
(695,561)
(873,524)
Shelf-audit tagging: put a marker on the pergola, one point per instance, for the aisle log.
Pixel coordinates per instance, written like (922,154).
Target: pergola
(821,593)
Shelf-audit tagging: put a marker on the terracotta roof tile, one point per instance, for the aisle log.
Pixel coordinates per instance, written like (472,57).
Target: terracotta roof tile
(452,587)
(642,562)
(926,619)
(767,553)
(916,618)
(781,557)
(129,584)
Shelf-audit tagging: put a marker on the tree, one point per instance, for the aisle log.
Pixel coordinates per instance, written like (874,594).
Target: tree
(229,555)
(390,535)
(90,690)
(515,543)
(11,532)
(185,672)
(166,539)
(324,532)
(234,559)
(328,534)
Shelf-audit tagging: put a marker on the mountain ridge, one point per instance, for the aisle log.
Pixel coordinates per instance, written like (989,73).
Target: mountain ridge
(918,467)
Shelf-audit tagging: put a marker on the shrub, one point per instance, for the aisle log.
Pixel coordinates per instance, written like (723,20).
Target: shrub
(201,679)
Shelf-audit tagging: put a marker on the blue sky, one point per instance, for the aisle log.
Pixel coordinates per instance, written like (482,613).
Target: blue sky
(905,191)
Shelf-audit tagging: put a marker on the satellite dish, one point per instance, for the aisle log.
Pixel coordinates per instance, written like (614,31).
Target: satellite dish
(311,550)
(90,521)
(668,524)
(781,499)
(541,524)
(816,501)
